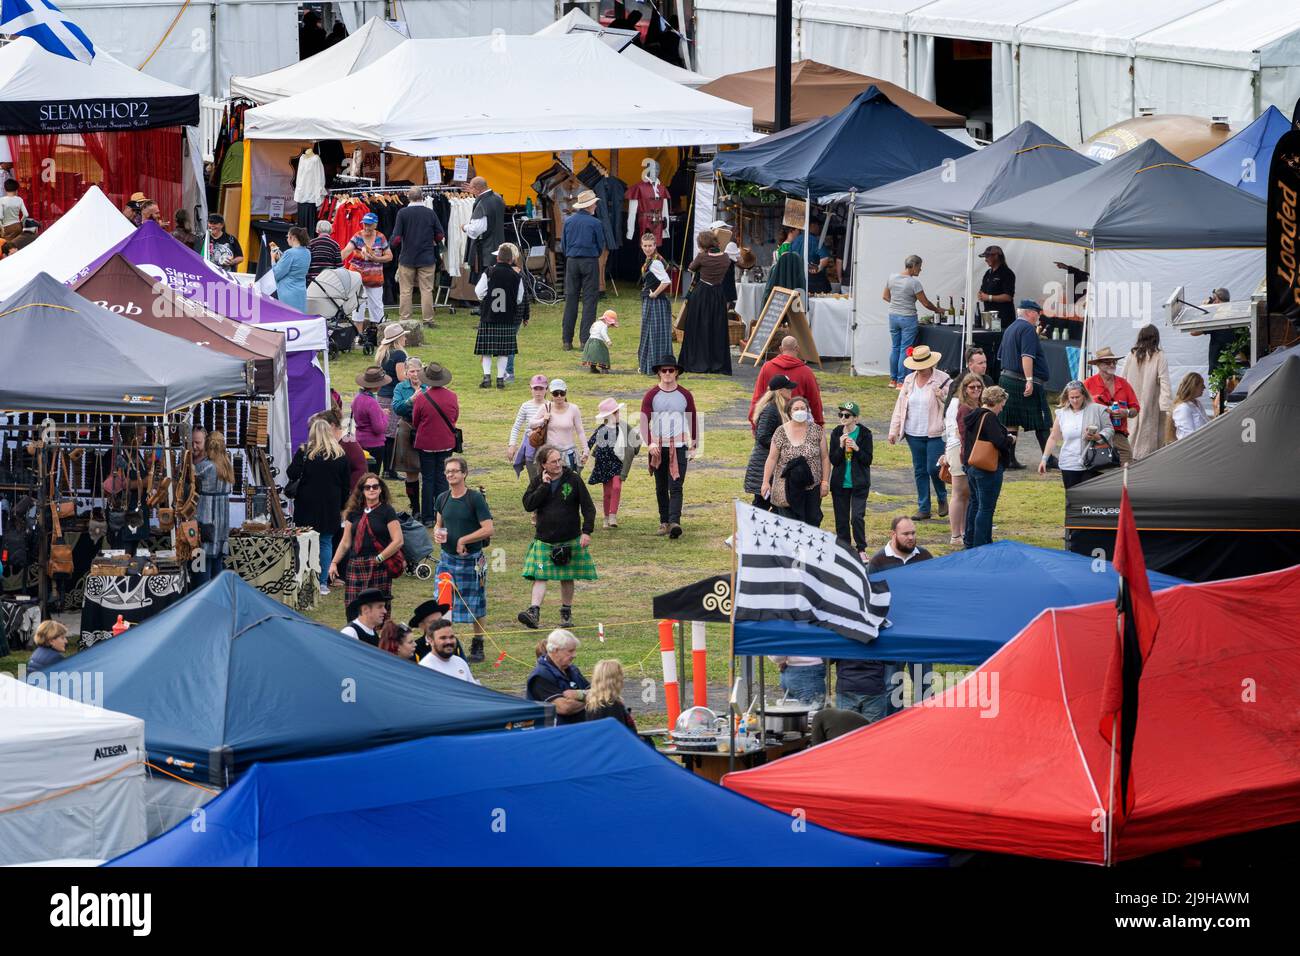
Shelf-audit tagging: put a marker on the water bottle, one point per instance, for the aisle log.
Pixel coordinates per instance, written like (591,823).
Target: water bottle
(528,207)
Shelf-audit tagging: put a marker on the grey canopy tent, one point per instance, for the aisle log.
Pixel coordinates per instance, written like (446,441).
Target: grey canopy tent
(1024,159)
(113,365)
(1221,503)
(1147,198)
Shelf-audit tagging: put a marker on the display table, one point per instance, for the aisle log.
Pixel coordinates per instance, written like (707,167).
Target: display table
(284,565)
(828,316)
(713,765)
(1062,354)
(136,597)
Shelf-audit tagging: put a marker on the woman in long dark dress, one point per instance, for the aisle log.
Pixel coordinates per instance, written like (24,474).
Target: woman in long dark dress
(656,314)
(705,343)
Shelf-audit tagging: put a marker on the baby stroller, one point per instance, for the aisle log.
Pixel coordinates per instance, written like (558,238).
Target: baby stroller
(417,548)
(336,295)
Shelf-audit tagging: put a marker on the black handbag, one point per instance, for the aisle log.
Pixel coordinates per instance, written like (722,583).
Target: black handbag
(291,486)
(1099,454)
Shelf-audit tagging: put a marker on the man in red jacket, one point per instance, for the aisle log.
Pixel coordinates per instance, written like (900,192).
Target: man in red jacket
(788,363)
(433,416)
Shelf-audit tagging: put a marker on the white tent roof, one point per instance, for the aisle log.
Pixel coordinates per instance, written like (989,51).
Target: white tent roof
(1243,34)
(30,72)
(1105,26)
(575,20)
(504,94)
(880,14)
(77,238)
(50,743)
(375,38)
(977,19)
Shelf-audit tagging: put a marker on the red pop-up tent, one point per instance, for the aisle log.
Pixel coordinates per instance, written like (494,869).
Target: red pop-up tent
(1020,768)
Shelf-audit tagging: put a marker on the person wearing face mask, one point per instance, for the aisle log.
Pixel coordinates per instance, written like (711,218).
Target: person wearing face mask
(797,474)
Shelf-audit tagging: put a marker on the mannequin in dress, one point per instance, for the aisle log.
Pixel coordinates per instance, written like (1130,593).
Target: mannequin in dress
(648,200)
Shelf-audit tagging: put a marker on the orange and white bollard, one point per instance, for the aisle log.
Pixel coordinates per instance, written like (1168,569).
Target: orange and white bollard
(699,665)
(668,654)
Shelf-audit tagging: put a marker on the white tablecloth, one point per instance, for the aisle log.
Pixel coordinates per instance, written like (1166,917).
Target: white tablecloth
(829,318)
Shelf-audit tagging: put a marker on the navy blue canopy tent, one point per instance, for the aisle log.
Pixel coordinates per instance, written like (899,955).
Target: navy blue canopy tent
(867,144)
(582,795)
(1023,159)
(228,676)
(1243,161)
(957,609)
(1261,370)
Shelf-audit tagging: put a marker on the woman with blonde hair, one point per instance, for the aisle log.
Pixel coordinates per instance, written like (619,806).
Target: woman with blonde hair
(1188,415)
(216,479)
(605,697)
(51,641)
(324,479)
(406,459)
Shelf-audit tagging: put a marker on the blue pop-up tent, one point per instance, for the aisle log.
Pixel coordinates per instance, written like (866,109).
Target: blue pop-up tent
(957,609)
(582,795)
(228,676)
(867,144)
(1244,160)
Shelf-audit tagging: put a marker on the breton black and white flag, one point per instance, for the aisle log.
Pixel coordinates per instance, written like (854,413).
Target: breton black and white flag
(788,570)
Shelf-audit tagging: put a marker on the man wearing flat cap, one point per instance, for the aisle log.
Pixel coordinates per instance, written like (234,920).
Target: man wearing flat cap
(1024,377)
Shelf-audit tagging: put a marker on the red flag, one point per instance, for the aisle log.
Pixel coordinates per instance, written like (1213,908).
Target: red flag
(1136,625)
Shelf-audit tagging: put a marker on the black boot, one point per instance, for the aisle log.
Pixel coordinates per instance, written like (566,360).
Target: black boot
(476,650)
(413,495)
(486,383)
(531,618)
(501,381)
(388,460)
(566,615)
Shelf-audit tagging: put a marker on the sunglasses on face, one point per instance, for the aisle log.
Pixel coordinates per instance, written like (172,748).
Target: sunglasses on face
(558,394)
(846,414)
(369,487)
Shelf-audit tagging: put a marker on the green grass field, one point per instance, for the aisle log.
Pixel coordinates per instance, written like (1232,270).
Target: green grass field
(633,564)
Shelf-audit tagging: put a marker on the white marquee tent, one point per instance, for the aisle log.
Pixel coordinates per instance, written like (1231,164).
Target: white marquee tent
(576,21)
(74,774)
(201,44)
(375,38)
(426,98)
(76,239)
(1072,66)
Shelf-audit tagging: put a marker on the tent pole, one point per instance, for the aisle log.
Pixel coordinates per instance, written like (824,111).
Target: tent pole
(731,657)
(850,242)
(329,399)
(1090,261)
(383,166)
(968,330)
(167,465)
(43,526)
(807,255)
(246,202)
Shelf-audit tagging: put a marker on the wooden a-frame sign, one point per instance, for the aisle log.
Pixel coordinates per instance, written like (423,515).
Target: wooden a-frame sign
(782,313)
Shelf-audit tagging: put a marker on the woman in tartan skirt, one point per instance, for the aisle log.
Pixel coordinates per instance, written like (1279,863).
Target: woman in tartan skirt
(371,535)
(656,315)
(501,293)
(566,517)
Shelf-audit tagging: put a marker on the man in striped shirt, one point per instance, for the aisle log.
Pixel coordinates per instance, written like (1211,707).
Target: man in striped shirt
(325,252)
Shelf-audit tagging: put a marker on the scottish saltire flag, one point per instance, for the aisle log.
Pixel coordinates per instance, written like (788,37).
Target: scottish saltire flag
(49,26)
(788,570)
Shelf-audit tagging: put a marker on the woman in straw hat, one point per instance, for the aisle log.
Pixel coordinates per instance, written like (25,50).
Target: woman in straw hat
(614,446)
(918,417)
(369,417)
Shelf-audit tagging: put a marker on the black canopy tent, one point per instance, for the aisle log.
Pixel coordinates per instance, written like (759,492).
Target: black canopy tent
(1220,503)
(63,353)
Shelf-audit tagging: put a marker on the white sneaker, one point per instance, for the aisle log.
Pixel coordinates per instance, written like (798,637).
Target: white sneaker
(324,591)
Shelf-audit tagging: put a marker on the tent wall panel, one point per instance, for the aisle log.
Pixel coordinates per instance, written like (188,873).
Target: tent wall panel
(255,37)
(1006,89)
(429,19)
(1053,100)
(356,12)
(732,36)
(879,53)
(130,32)
(1279,86)
(1156,273)
(1195,90)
